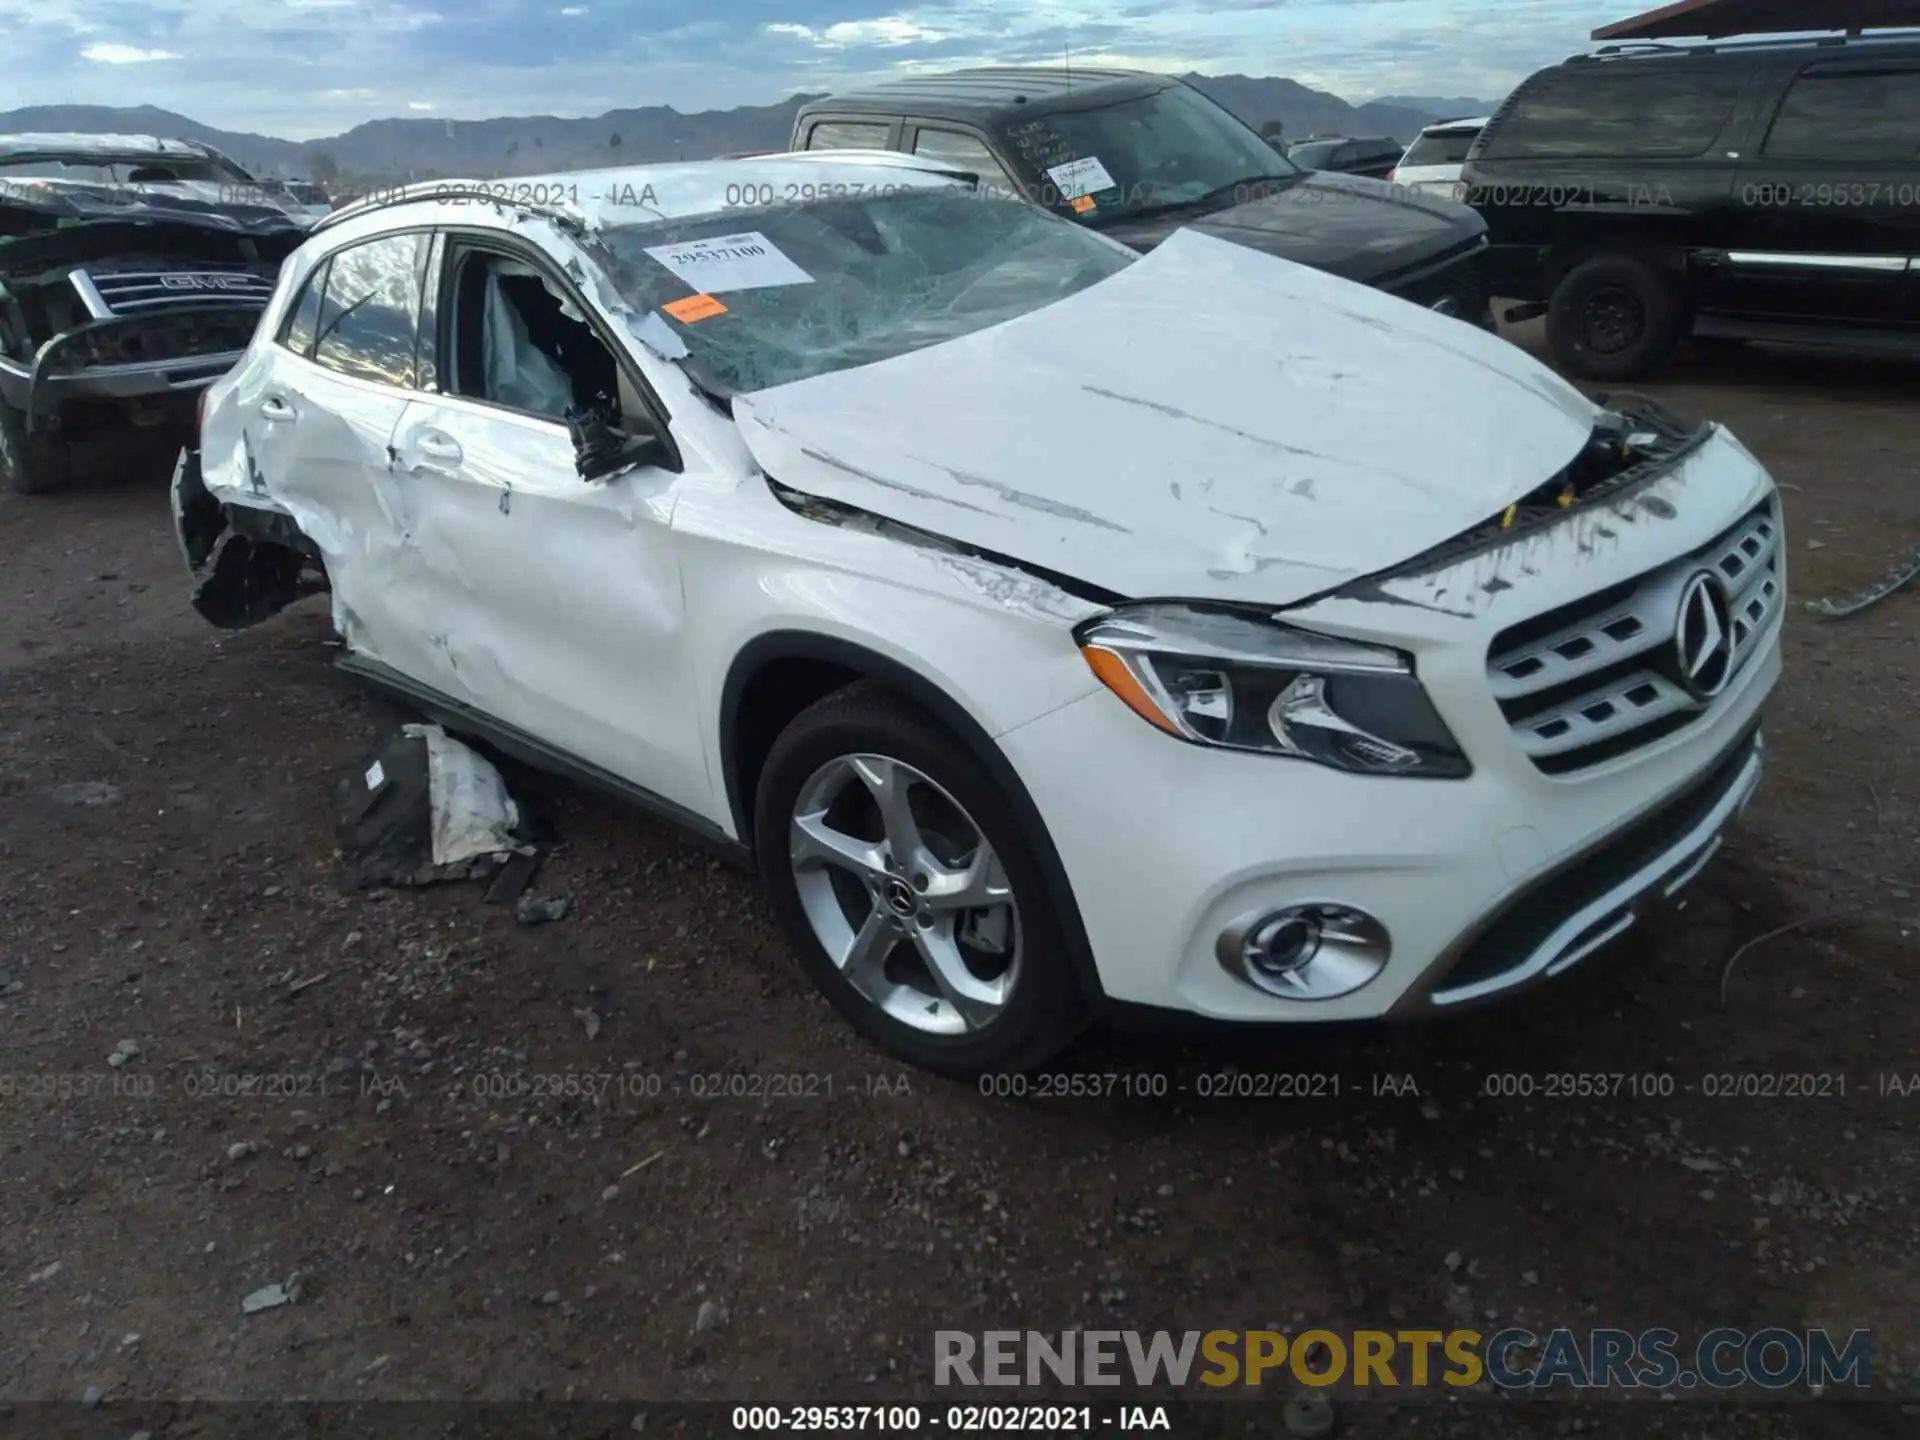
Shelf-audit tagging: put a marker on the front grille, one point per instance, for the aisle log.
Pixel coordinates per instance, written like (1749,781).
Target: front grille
(1600,891)
(131,292)
(1599,678)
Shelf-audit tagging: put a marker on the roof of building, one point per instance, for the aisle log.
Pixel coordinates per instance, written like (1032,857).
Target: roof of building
(1715,19)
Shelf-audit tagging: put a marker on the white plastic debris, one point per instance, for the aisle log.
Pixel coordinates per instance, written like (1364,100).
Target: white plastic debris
(472,813)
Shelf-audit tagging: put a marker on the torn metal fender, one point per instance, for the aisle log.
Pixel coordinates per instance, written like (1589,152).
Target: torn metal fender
(247,564)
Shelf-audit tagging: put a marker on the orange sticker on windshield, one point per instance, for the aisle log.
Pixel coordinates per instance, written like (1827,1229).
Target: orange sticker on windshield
(694,307)
(1082,204)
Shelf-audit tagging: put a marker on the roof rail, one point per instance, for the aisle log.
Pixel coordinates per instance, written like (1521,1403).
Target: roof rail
(458,190)
(1625,48)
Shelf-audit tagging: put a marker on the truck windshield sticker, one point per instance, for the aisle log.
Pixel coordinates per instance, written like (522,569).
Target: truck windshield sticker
(1080,177)
(747,261)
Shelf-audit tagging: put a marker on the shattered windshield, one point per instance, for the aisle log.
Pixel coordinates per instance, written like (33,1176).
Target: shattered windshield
(766,296)
(1157,152)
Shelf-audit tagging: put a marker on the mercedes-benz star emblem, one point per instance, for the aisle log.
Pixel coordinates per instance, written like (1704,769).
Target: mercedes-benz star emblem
(1703,636)
(1444,306)
(900,897)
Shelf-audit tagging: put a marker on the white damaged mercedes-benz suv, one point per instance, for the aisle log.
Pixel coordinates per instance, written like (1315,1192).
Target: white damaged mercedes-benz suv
(1054,628)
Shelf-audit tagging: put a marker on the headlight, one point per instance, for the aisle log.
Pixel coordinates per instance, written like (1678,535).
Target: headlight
(1243,683)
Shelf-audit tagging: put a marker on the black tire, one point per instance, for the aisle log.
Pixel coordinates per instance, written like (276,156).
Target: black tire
(36,466)
(1614,317)
(1045,1010)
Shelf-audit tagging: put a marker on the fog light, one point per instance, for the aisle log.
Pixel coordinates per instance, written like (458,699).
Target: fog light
(1282,944)
(1315,951)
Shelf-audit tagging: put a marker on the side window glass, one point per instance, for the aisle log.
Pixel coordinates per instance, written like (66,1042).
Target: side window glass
(519,344)
(964,152)
(847,135)
(1839,116)
(1579,113)
(370,312)
(303,319)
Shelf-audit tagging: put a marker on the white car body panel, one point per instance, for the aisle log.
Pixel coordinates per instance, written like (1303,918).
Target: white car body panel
(1103,438)
(1210,423)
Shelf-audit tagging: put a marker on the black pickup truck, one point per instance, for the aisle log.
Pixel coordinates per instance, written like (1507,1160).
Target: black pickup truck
(1138,156)
(132,273)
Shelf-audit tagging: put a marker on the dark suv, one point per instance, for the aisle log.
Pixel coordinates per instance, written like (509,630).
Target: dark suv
(1375,157)
(1758,190)
(1139,156)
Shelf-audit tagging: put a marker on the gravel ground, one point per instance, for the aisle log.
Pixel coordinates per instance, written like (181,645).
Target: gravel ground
(447,1224)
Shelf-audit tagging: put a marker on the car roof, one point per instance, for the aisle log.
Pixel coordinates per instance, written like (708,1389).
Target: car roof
(99,149)
(852,156)
(637,194)
(991,90)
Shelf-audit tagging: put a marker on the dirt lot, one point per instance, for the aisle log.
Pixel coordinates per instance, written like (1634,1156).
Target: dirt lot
(167,877)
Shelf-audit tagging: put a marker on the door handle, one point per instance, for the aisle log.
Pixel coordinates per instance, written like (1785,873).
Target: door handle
(274,408)
(436,446)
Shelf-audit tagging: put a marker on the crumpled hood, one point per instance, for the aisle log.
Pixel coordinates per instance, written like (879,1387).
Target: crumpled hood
(189,202)
(1347,225)
(1210,423)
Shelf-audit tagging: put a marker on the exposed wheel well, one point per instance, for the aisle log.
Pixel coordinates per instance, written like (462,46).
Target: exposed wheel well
(776,676)
(1663,255)
(766,704)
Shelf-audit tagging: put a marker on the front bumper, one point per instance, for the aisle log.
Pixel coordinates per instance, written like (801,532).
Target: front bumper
(1483,885)
(41,388)
(1455,285)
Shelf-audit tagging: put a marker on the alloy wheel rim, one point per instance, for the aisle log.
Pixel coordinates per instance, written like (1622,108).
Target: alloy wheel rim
(905,894)
(1614,319)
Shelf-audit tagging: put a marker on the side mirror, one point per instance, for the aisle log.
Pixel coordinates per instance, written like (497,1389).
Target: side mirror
(602,446)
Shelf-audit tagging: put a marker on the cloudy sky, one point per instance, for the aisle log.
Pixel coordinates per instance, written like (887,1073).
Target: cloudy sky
(304,68)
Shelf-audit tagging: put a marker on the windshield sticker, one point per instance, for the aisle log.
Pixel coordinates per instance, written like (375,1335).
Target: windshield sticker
(748,261)
(694,307)
(1082,204)
(1080,177)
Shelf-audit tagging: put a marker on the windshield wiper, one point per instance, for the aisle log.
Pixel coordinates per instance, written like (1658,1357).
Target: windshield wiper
(1270,184)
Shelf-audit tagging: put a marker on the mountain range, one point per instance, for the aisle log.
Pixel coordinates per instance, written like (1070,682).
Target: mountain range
(422,148)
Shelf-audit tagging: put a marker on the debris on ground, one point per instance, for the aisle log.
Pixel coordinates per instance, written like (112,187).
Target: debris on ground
(267,1297)
(1902,574)
(712,1315)
(513,878)
(424,808)
(531,910)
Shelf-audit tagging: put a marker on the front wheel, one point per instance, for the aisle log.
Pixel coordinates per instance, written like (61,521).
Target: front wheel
(1614,317)
(908,890)
(36,466)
